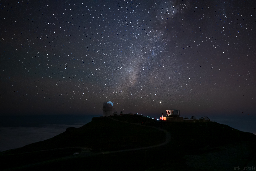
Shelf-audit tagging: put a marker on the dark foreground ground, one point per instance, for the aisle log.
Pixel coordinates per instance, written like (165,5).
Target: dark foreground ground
(98,145)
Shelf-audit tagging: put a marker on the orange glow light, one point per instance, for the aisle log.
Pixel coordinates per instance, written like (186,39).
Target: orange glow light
(163,118)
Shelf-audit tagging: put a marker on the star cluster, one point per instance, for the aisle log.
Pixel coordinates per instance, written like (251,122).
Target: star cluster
(145,56)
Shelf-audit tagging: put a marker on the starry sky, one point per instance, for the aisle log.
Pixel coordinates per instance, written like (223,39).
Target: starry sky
(146,56)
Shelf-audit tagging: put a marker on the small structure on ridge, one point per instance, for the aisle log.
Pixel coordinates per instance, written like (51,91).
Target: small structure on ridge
(108,108)
(174,116)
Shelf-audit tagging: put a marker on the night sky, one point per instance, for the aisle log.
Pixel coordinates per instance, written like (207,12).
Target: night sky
(145,56)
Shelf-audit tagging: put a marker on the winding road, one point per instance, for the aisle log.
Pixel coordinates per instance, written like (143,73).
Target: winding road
(86,153)
(167,139)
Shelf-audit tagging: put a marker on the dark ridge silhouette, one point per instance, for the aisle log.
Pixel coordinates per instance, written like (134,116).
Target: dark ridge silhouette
(135,142)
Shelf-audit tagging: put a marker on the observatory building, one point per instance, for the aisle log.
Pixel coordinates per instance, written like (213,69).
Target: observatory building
(108,108)
(172,115)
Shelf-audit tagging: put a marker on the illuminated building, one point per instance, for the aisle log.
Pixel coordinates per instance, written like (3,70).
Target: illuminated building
(174,116)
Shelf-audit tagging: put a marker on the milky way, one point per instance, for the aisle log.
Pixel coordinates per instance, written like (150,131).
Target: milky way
(145,56)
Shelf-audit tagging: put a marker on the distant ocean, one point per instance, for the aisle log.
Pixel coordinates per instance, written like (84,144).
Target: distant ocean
(18,131)
(245,123)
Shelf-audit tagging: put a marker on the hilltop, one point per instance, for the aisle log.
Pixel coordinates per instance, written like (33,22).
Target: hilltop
(135,142)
